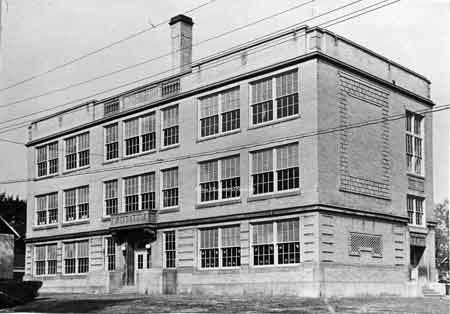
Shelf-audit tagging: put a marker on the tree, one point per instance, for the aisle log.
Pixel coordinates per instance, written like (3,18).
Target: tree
(14,211)
(442,236)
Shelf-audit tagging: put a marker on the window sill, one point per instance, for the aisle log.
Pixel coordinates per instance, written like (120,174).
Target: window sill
(418,228)
(218,203)
(75,222)
(272,195)
(414,175)
(169,210)
(211,137)
(46,177)
(110,161)
(169,147)
(46,276)
(281,120)
(256,267)
(74,276)
(76,169)
(44,227)
(106,218)
(139,154)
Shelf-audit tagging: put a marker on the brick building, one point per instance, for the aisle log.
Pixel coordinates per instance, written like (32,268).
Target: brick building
(218,179)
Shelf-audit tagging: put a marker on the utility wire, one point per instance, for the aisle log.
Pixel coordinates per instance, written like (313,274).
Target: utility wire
(96,51)
(13,126)
(146,61)
(298,136)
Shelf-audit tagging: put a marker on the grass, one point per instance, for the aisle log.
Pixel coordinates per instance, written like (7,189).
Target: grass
(118,304)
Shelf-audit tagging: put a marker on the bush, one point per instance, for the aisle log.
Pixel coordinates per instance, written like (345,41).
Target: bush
(14,292)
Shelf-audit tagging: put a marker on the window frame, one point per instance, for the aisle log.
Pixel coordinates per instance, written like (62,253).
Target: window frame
(219,180)
(139,176)
(274,170)
(140,135)
(77,205)
(45,260)
(273,99)
(274,242)
(77,151)
(47,208)
(104,182)
(76,273)
(47,160)
(421,136)
(220,114)
(220,247)
(162,128)
(165,251)
(161,182)
(107,255)
(415,198)
(105,154)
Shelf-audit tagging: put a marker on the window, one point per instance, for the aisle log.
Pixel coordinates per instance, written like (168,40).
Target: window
(170,187)
(110,254)
(414,143)
(76,203)
(76,257)
(169,249)
(170,128)
(45,262)
(276,239)
(220,247)
(415,209)
(47,159)
(111,107)
(47,209)
(275,95)
(140,261)
(112,142)
(139,192)
(77,151)
(111,197)
(278,165)
(140,135)
(220,179)
(219,113)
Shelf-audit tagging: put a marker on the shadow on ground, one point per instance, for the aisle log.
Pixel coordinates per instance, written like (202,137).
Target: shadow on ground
(49,305)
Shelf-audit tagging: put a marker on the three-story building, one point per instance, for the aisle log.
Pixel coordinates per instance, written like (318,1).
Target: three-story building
(272,168)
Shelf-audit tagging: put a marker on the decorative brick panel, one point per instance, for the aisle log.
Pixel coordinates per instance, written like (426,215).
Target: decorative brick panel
(416,184)
(327,240)
(376,185)
(399,245)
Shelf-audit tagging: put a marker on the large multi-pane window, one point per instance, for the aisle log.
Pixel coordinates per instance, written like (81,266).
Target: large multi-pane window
(276,243)
(47,159)
(76,257)
(169,249)
(45,261)
(139,192)
(140,134)
(415,210)
(170,127)
(47,209)
(220,247)
(275,169)
(76,203)
(220,179)
(414,143)
(274,98)
(169,187)
(77,151)
(110,254)
(220,113)
(111,197)
(112,141)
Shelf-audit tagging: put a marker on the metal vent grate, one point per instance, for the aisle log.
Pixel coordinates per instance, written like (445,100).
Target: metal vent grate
(365,242)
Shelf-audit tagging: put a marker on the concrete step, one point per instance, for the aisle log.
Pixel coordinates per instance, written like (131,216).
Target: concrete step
(126,290)
(430,293)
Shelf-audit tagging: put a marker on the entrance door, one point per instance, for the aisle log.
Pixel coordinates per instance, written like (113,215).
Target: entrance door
(129,261)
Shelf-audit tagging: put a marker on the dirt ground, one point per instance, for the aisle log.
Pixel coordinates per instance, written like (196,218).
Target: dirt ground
(136,304)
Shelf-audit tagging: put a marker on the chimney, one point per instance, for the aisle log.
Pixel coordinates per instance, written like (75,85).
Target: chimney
(181,37)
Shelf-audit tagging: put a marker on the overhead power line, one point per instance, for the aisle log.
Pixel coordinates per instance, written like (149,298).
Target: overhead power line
(23,123)
(96,51)
(146,61)
(298,136)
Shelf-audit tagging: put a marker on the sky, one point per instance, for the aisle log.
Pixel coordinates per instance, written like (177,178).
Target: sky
(40,34)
